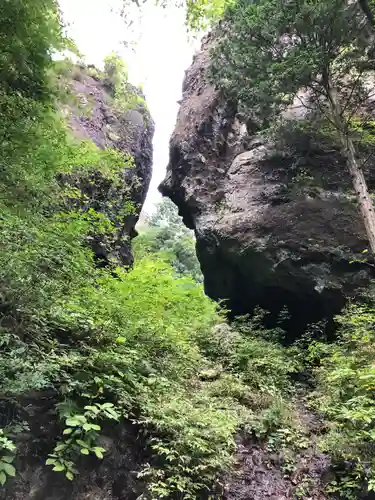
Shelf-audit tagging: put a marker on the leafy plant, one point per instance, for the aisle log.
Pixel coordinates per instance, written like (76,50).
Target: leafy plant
(192,436)
(126,96)
(7,456)
(80,436)
(345,396)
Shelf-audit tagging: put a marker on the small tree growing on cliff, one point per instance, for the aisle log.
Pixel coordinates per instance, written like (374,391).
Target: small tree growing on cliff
(317,51)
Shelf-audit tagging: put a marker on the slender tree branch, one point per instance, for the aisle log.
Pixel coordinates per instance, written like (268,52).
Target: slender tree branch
(304,104)
(371,155)
(352,92)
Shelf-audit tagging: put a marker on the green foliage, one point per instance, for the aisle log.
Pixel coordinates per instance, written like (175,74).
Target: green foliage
(200,14)
(115,70)
(257,371)
(194,439)
(363,132)
(255,352)
(125,95)
(81,436)
(7,456)
(39,229)
(195,427)
(273,49)
(96,338)
(261,357)
(346,381)
(29,31)
(165,235)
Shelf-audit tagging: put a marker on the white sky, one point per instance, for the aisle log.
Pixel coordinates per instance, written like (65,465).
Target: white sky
(157,61)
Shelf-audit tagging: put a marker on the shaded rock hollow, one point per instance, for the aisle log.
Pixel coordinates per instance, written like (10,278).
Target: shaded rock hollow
(271,229)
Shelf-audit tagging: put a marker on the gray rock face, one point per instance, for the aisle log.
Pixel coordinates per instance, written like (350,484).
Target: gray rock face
(272,229)
(93,116)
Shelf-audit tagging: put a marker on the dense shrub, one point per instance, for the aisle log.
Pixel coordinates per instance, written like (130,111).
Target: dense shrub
(164,234)
(126,96)
(345,395)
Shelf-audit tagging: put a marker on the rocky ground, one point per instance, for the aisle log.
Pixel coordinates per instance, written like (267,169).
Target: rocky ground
(269,472)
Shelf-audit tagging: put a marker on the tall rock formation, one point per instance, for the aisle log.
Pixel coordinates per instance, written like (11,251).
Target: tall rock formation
(92,115)
(273,228)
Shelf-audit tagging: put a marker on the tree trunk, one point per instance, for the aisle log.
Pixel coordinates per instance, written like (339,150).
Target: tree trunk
(355,170)
(362,193)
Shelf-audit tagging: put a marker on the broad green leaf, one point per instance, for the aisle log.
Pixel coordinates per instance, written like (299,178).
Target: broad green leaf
(120,340)
(60,447)
(3,478)
(82,443)
(89,427)
(98,453)
(76,420)
(9,469)
(58,468)
(94,409)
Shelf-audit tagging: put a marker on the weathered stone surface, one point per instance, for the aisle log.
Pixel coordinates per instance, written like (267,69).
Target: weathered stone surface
(91,115)
(113,478)
(270,230)
(259,472)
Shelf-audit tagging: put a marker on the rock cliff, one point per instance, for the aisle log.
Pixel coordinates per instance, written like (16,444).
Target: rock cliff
(92,115)
(272,228)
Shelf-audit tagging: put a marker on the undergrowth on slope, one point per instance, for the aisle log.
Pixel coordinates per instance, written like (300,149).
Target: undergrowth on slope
(345,396)
(164,234)
(113,346)
(107,346)
(125,96)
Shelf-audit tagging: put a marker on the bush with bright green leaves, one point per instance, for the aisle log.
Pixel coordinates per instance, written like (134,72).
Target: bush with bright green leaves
(116,77)
(7,456)
(29,31)
(345,396)
(165,235)
(80,436)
